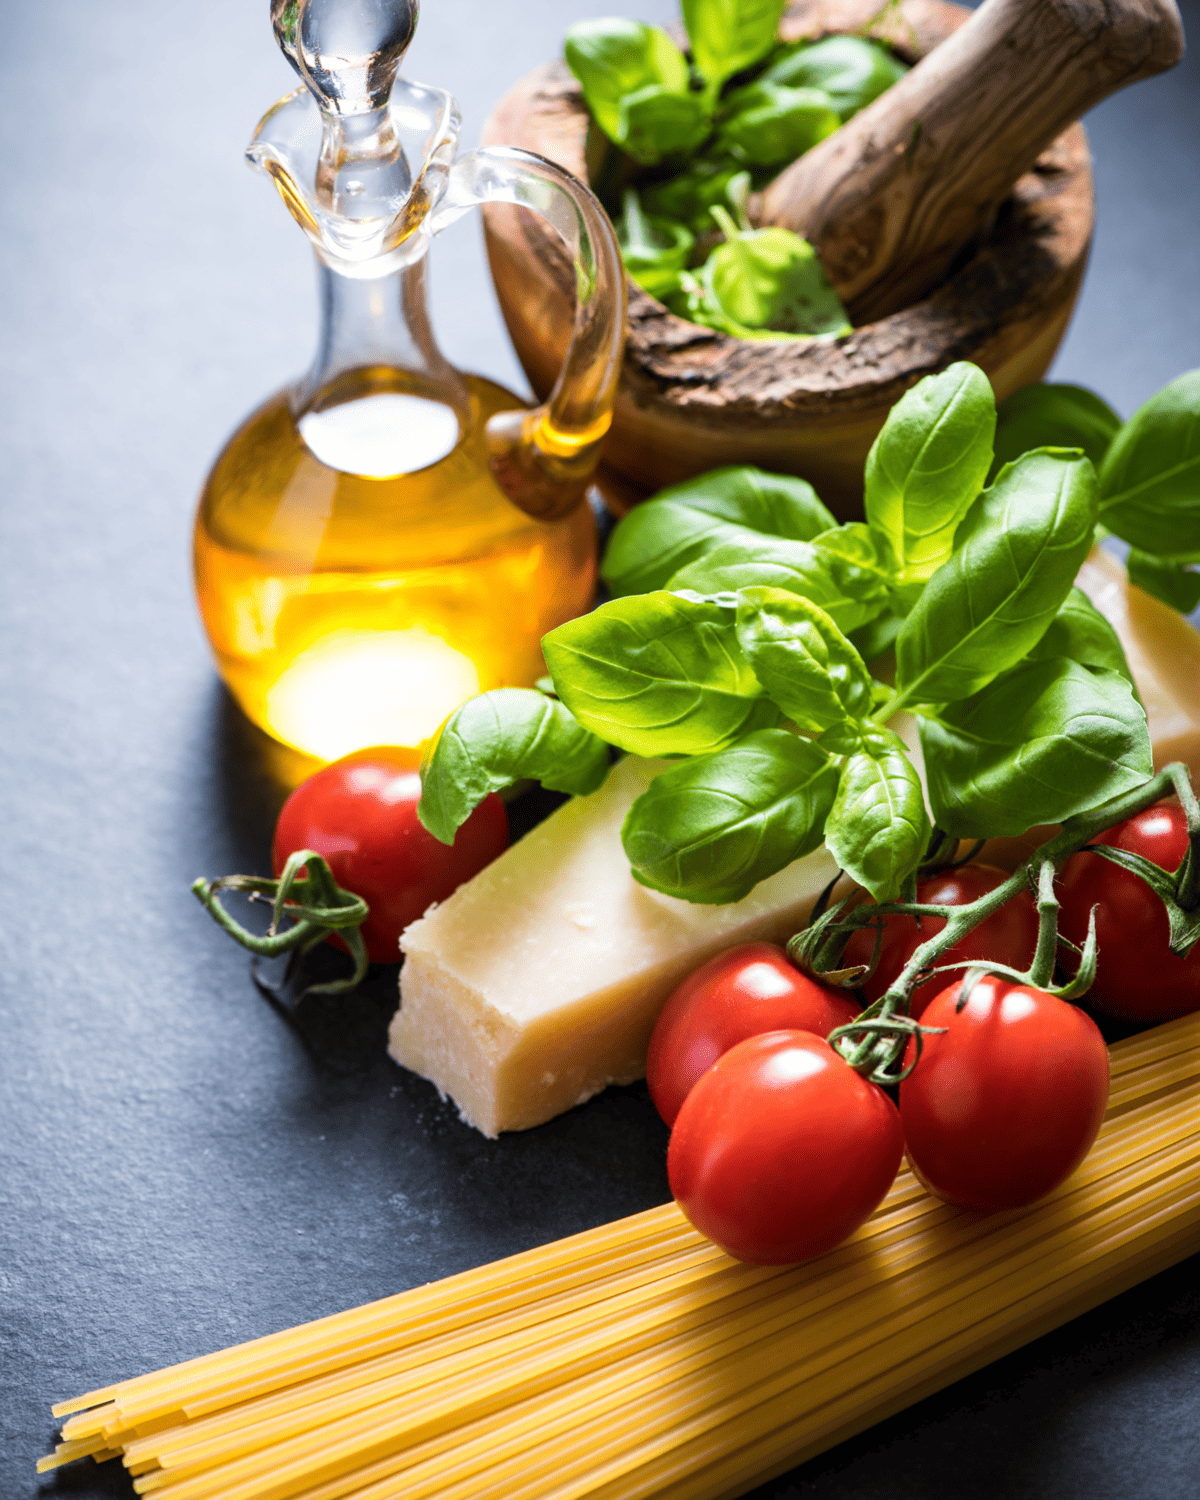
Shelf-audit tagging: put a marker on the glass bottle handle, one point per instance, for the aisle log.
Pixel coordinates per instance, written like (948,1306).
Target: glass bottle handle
(544,459)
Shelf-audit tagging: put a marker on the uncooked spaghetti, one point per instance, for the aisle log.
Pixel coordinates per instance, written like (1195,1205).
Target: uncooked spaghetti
(638,1360)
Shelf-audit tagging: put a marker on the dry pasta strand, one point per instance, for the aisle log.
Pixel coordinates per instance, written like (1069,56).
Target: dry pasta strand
(637,1360)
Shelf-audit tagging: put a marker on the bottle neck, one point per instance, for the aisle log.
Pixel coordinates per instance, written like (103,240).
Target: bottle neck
(380,397)
(375,332)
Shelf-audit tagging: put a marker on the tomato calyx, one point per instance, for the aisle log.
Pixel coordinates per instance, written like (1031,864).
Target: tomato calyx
(875,1043)
(317,905)
(1178,889)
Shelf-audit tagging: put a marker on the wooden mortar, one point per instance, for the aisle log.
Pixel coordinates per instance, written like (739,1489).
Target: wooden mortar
(985,198)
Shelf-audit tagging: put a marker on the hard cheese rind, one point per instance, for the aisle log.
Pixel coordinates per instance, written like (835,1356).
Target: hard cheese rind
(538,982)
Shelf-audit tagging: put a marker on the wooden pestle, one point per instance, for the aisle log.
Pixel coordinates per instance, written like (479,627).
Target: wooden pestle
(891,199)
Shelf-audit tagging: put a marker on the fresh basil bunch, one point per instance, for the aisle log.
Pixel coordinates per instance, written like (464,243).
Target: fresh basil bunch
(709,128)
(733,646)
(1149,470)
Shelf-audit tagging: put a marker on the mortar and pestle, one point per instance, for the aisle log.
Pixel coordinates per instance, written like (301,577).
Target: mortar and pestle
(953,216)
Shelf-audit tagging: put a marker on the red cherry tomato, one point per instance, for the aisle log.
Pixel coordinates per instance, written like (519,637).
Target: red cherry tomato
(1006,1103)
(1138,978)
(738,994)
(361,814)
(1008,936)
(782,1150)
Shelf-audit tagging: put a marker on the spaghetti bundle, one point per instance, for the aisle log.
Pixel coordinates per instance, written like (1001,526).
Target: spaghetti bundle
(639,1360)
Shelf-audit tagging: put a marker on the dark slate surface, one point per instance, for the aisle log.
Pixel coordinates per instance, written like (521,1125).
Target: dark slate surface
(182,1168)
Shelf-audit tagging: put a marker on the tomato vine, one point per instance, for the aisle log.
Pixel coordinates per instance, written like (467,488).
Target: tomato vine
(875,1042)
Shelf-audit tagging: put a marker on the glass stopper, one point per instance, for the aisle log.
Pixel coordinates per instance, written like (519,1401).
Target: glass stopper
(347,56)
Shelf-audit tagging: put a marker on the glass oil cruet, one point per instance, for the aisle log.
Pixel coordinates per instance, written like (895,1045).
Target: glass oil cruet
(388,535)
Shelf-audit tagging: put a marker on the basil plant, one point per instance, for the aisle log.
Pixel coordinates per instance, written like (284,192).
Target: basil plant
(744,623)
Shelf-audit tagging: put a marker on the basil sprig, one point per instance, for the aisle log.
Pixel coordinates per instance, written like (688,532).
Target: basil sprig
(729,647)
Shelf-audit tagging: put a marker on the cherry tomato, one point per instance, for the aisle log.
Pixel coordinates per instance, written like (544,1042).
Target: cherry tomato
(1138,978)
(782,1150)
(737,994)
(1008,936)
(1005,1104)
(361,814)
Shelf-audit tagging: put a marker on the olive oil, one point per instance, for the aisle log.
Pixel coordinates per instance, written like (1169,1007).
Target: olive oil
(388,535)
(348,609)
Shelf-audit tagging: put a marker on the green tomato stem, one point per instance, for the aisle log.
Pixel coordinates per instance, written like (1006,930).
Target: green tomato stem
(323,908)
(1041,970)
(875,1042)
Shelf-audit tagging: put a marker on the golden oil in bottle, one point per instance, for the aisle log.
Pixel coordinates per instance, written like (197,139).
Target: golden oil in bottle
(347,609)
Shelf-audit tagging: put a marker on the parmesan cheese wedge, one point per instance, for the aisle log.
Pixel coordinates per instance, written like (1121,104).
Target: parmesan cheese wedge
(1163,652)
(538,982)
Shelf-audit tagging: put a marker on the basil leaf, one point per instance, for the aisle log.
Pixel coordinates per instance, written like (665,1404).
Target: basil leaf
(802,659)
(1081,633)
(767,125)
(771,279)
(654,250)
(1053,416)
(688,196)
(878,829)
(500,737)
(858,563)
(927,466)
(1174,580)
(1016,561)
(613,57)
(1047,740)
(802,568)
(850,69)
(655,122)
(738,504)
(711,828)
(729,35)
(657,675)
(1150,482)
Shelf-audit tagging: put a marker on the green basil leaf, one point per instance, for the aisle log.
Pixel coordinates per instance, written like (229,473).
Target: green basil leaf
(657,675)
(878,829)
(767,125)
(711,828)
(1053,416)
(850,69)
(1046,741)
(688,196)
(654,250)
(802,659)
(1174,580)
(771,279)
(1016,561)
(1150,482)
(729,35)
(802,568)
(927,466)
(613,57)
(655,122)
(1081,633)
(500,737)
(696,302)
(858,563)
(679,524)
